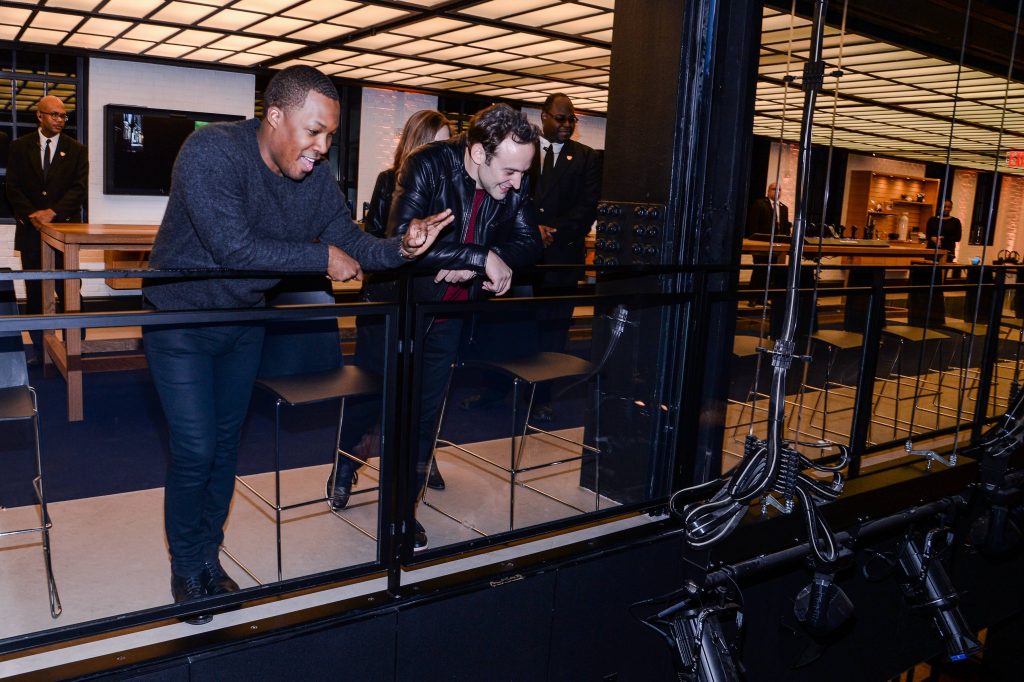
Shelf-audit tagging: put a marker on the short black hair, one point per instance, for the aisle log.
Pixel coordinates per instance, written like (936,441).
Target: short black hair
(492,125)
(551,100)
(289,87)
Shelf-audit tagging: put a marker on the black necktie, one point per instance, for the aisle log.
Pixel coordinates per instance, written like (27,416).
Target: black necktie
(46,159)
(548,166)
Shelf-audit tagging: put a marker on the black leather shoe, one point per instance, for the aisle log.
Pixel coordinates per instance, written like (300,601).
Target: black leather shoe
(189,588)
(339,485)
(434,479)
(216,580)
(419,538)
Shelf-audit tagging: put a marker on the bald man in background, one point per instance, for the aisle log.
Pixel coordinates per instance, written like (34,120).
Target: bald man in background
(47,180)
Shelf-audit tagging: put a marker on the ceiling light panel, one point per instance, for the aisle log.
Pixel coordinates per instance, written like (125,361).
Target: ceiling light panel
(42,35)
(244,59)
(265,6)
(278,26)
(431,27)
(132,46)
(87,42)
(131,8)
(55,21)
(318,33)
(368,16)
(275,48)
(509,41)
(150,32)
(104,27)
(499,9)
(418,47)
(169,50)
(232,19)
(381,41)
(319,10)
(236,43)
(598,22)
(14,16)
(474,34)
(183,12)
(560,13)
(196,38)
(84,5)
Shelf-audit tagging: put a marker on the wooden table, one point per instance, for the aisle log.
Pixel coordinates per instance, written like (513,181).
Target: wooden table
(895,255)
(67,352)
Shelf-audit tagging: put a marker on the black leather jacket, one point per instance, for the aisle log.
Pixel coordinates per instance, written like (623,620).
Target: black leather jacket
(376,219)
(434,178)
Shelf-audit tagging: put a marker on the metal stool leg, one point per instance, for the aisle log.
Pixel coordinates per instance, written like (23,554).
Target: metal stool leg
(37,483)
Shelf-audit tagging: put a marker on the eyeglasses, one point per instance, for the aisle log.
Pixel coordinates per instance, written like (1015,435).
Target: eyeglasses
(562,118)
(57,115)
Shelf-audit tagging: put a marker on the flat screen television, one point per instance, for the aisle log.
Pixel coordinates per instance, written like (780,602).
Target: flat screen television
(140,145)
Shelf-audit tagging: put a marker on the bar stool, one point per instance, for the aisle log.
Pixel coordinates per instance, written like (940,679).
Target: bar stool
(834,341)
(18,403)
(308,389)
(529,371)
(302,365)
(903,334)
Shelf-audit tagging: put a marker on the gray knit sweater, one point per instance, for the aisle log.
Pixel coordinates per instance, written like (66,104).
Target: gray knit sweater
(228,210)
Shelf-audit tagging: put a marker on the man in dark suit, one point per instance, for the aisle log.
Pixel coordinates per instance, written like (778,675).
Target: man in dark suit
(767,215)
(47,180)
(566,194)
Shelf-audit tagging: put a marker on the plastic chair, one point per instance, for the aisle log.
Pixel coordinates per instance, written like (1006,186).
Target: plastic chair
(18,403)
(529,371)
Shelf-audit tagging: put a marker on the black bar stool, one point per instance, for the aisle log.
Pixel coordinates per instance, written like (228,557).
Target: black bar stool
(18,403)
(529,371)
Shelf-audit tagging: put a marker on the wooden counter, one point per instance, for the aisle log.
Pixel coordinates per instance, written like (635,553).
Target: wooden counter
(66,351)
(896,254)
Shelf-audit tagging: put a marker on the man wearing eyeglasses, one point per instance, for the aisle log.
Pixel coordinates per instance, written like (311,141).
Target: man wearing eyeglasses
(47,181)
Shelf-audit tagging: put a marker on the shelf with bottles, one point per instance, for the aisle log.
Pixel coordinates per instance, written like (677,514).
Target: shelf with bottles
(880,199)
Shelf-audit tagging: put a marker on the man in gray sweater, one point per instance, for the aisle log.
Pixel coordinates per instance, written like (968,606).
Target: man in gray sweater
(252,195)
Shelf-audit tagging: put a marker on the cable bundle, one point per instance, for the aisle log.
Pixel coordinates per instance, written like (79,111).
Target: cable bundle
(762,474)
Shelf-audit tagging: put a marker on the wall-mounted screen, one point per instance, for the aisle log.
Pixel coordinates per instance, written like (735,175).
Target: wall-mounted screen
(140,145)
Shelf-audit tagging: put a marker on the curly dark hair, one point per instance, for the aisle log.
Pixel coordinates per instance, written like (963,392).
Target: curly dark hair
(289,87)
(492,125)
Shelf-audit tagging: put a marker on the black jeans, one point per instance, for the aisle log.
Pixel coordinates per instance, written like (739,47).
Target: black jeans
(204,376)
(440,348)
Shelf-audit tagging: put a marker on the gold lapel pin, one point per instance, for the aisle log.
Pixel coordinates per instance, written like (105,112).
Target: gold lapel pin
(62,153)
(569,158)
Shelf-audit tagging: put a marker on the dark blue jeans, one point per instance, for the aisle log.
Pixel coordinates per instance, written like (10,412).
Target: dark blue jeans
(204,377)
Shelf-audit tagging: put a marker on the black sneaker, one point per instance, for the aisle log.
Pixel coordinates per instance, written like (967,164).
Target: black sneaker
(190,588)
(216,580)
(339,485)
(419,538)
(434,479)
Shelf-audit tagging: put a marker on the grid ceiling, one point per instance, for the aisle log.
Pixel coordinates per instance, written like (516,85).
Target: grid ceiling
(515,49)
(888,101)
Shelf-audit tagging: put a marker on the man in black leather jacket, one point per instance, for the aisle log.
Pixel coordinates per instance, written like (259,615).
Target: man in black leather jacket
(481,176)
